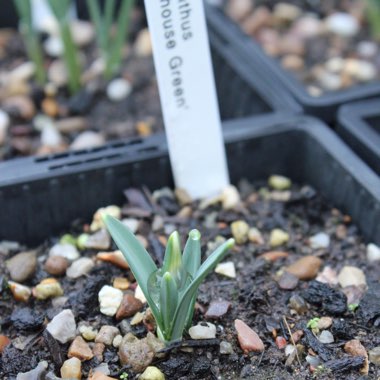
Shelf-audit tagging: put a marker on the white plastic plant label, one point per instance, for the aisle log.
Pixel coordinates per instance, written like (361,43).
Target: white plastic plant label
(187,93)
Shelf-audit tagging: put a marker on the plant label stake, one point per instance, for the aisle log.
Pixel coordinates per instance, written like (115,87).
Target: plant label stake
(187,93)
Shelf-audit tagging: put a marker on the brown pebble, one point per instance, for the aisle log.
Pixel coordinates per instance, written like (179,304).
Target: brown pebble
(148,320)
(56,265)
(4,341)
(20,106)
(121,283)
(281,342)
(115,258)
(324,323)
(217,309)
(305,268)
(98,350)
(287,281)
(355,348)
(129,306)
(71,369)
(273,255)
(80,349)
(50,107)
(248,339)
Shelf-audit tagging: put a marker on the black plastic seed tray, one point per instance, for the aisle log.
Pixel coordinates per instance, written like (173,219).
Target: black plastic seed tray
(324,107)
(41,197)
(359,126)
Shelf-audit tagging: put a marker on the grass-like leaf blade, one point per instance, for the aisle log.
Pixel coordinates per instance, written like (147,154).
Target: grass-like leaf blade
(168,300)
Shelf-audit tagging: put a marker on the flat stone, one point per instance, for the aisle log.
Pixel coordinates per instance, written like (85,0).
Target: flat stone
(351,276)
(306,268)
(80,267)
(115,257)
(129,306)
(56,265)
(278,237)
(328,276)
(36,373)
(65,250)
(287,281)
(203,330)
(62,327)
(107,334)
(355,348)
(71,369)
(99,240)
(225,348)
(326,337)
(248,339)
(80,349)
(374,355)
(226,269)
(239,230)
(217,309)
(152,373)
(110,299)
(22,266)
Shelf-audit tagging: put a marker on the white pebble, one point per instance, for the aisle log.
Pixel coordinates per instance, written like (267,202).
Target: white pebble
(320,240)
(132,224)
(118,89)
(373,252)
(50,136)
(110,299)
(342,24)
(139,294)
(4,124)
(62,327)
(86,140)
(53,46)
(230,197)
(326,337)
(226,269)
(65,250)
(351,276)
(80,267)
(289,349)
(203,331)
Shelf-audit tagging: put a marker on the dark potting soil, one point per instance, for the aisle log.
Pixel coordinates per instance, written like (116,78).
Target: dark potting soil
(255,294)
(324,54)
(139,114)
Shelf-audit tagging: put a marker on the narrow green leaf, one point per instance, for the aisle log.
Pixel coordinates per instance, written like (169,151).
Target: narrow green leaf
(186,299)
(168,300)
(96,18)
(173,257)
(192,252)
(139,260)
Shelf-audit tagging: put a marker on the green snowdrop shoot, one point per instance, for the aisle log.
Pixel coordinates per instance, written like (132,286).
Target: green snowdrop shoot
(170,291)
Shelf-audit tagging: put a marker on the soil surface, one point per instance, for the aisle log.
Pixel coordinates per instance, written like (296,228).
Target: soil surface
(136,114)
(328,45)
(268,300)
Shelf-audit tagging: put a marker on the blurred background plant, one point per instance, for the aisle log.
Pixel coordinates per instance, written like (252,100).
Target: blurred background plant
(60,9)
(373,14)
(110,40)
(31,38)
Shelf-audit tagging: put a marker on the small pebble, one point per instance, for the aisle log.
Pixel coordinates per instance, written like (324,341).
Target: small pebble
(278,237)
(328,276)
(97,220)
(279,182)
(374,356)
(20,106)
(56,265)
(225,348)
(281,342)
(36,373)
(132,224)
(152,373)
(129,306)
(87,140)
(47,288)
(53,46)
(71,369)
(137,319)
(139,294)
(203,330)
(217,309)
(80,267)
(289,350)
(230,197)
(226,269)
(117,341)
(50,107)
(373,252)
(298,304)
(22,266)
(121,283)
(342,24)
(306,268)
(314,361)
(115,257)
(83,32)
(4,342)
(239,230)
(67,251)
(110,300)
(254,236)
(88,332)
(99,240)
(326,337)
(118,89)
(248,339)
(57,73)
(20,292)
(320,240)
(80,349)
(287,281)
(351,276)
(107,334)
(355,348)
(324,323)
(274,255)
(4,125)
(239,10)
(23,72)
(182,196)
(62,327)
(143,44)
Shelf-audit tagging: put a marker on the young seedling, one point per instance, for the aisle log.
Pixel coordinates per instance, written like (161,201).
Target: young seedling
(60,9)
(31,38)
(170,291)
(373,15)
(110,44)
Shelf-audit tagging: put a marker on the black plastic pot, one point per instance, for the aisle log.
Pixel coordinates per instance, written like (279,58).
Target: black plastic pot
(359,126)
(40,197)
(324,107)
